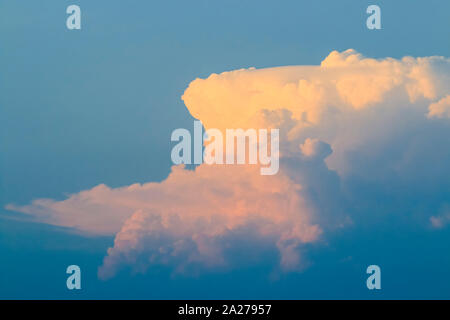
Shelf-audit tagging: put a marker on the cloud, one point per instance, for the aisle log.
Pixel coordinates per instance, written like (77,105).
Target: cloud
(189,218)
(439,222)
(199,212)
(344,81)
(348,101)
(357,140)
(314,147)
(440,109)
(442,219)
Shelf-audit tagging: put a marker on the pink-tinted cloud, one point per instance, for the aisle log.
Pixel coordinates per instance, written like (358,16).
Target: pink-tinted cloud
(198,211)
(440,109)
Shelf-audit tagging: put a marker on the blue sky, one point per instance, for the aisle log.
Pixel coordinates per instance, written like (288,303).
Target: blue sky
(80,108)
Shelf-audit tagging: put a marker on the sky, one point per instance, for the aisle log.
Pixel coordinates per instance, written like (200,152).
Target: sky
(85,123)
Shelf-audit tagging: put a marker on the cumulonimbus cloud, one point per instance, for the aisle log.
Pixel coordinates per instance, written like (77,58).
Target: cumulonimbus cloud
(440,109)
(349,122)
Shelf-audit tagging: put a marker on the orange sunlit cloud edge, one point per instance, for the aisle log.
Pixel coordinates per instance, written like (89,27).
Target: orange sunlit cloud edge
(348,105)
